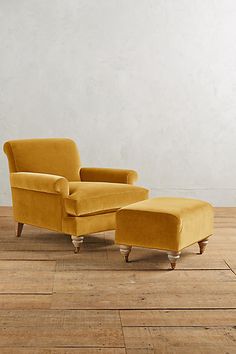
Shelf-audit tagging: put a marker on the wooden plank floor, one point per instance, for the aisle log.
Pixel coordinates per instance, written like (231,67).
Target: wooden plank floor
(53,301)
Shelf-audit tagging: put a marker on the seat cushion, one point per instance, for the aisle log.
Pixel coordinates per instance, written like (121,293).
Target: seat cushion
(164,223)
(87,198)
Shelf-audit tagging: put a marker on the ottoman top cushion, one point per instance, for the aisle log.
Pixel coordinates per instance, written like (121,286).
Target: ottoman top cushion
(165,205)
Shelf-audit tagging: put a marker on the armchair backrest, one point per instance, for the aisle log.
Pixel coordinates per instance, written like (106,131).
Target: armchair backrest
(53,156)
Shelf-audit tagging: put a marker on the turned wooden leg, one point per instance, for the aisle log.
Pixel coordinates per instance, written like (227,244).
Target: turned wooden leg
(125,251)
(19,228)
(173,256)
(77,241)
(202,245)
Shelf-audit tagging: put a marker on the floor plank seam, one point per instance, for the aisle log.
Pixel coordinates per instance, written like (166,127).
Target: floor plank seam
(27,294)
(181,326)
(27,260)
(162,309)
(230,267)
(143,308)
(65,346)
(53,282)
(140,270)
(123,336)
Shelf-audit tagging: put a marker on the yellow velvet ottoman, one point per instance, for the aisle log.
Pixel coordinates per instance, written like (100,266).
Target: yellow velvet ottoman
(169,224)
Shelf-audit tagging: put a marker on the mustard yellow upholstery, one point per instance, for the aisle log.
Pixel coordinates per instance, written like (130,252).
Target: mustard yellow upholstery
(99,197)
(40,182)
(90,174)
(51,190)
(164,223)
(53,156)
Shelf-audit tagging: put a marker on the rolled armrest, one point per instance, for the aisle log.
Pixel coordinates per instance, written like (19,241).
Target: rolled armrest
(92,174)
(40,182)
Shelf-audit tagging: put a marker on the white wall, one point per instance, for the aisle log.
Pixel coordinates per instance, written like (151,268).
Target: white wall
(143,84)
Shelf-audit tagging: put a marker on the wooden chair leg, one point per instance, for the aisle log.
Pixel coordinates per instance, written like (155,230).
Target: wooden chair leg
(125,251)
(173,256)
(77,241)
(202,245)
(19,228)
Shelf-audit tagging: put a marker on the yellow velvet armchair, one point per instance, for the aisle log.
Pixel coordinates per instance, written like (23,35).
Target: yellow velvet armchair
(51,190)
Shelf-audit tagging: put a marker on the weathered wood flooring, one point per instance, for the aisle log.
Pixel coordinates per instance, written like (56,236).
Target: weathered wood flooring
(53,301)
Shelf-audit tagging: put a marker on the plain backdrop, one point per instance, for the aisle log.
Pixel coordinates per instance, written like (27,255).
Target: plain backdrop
(142,84)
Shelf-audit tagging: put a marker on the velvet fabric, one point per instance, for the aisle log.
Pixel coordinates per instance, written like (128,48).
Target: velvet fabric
(40,182)
(90,174)
(38,208)
(98,197)
(52,156)
(84,225)
(164,223)
(51,190)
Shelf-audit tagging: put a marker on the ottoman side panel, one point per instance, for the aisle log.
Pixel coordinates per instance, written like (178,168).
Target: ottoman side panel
(148,229)
(197,225)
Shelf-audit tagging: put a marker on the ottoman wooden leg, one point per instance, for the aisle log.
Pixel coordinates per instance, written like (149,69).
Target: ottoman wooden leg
(77,241)
(173,256)
(202,245)
(125,251)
